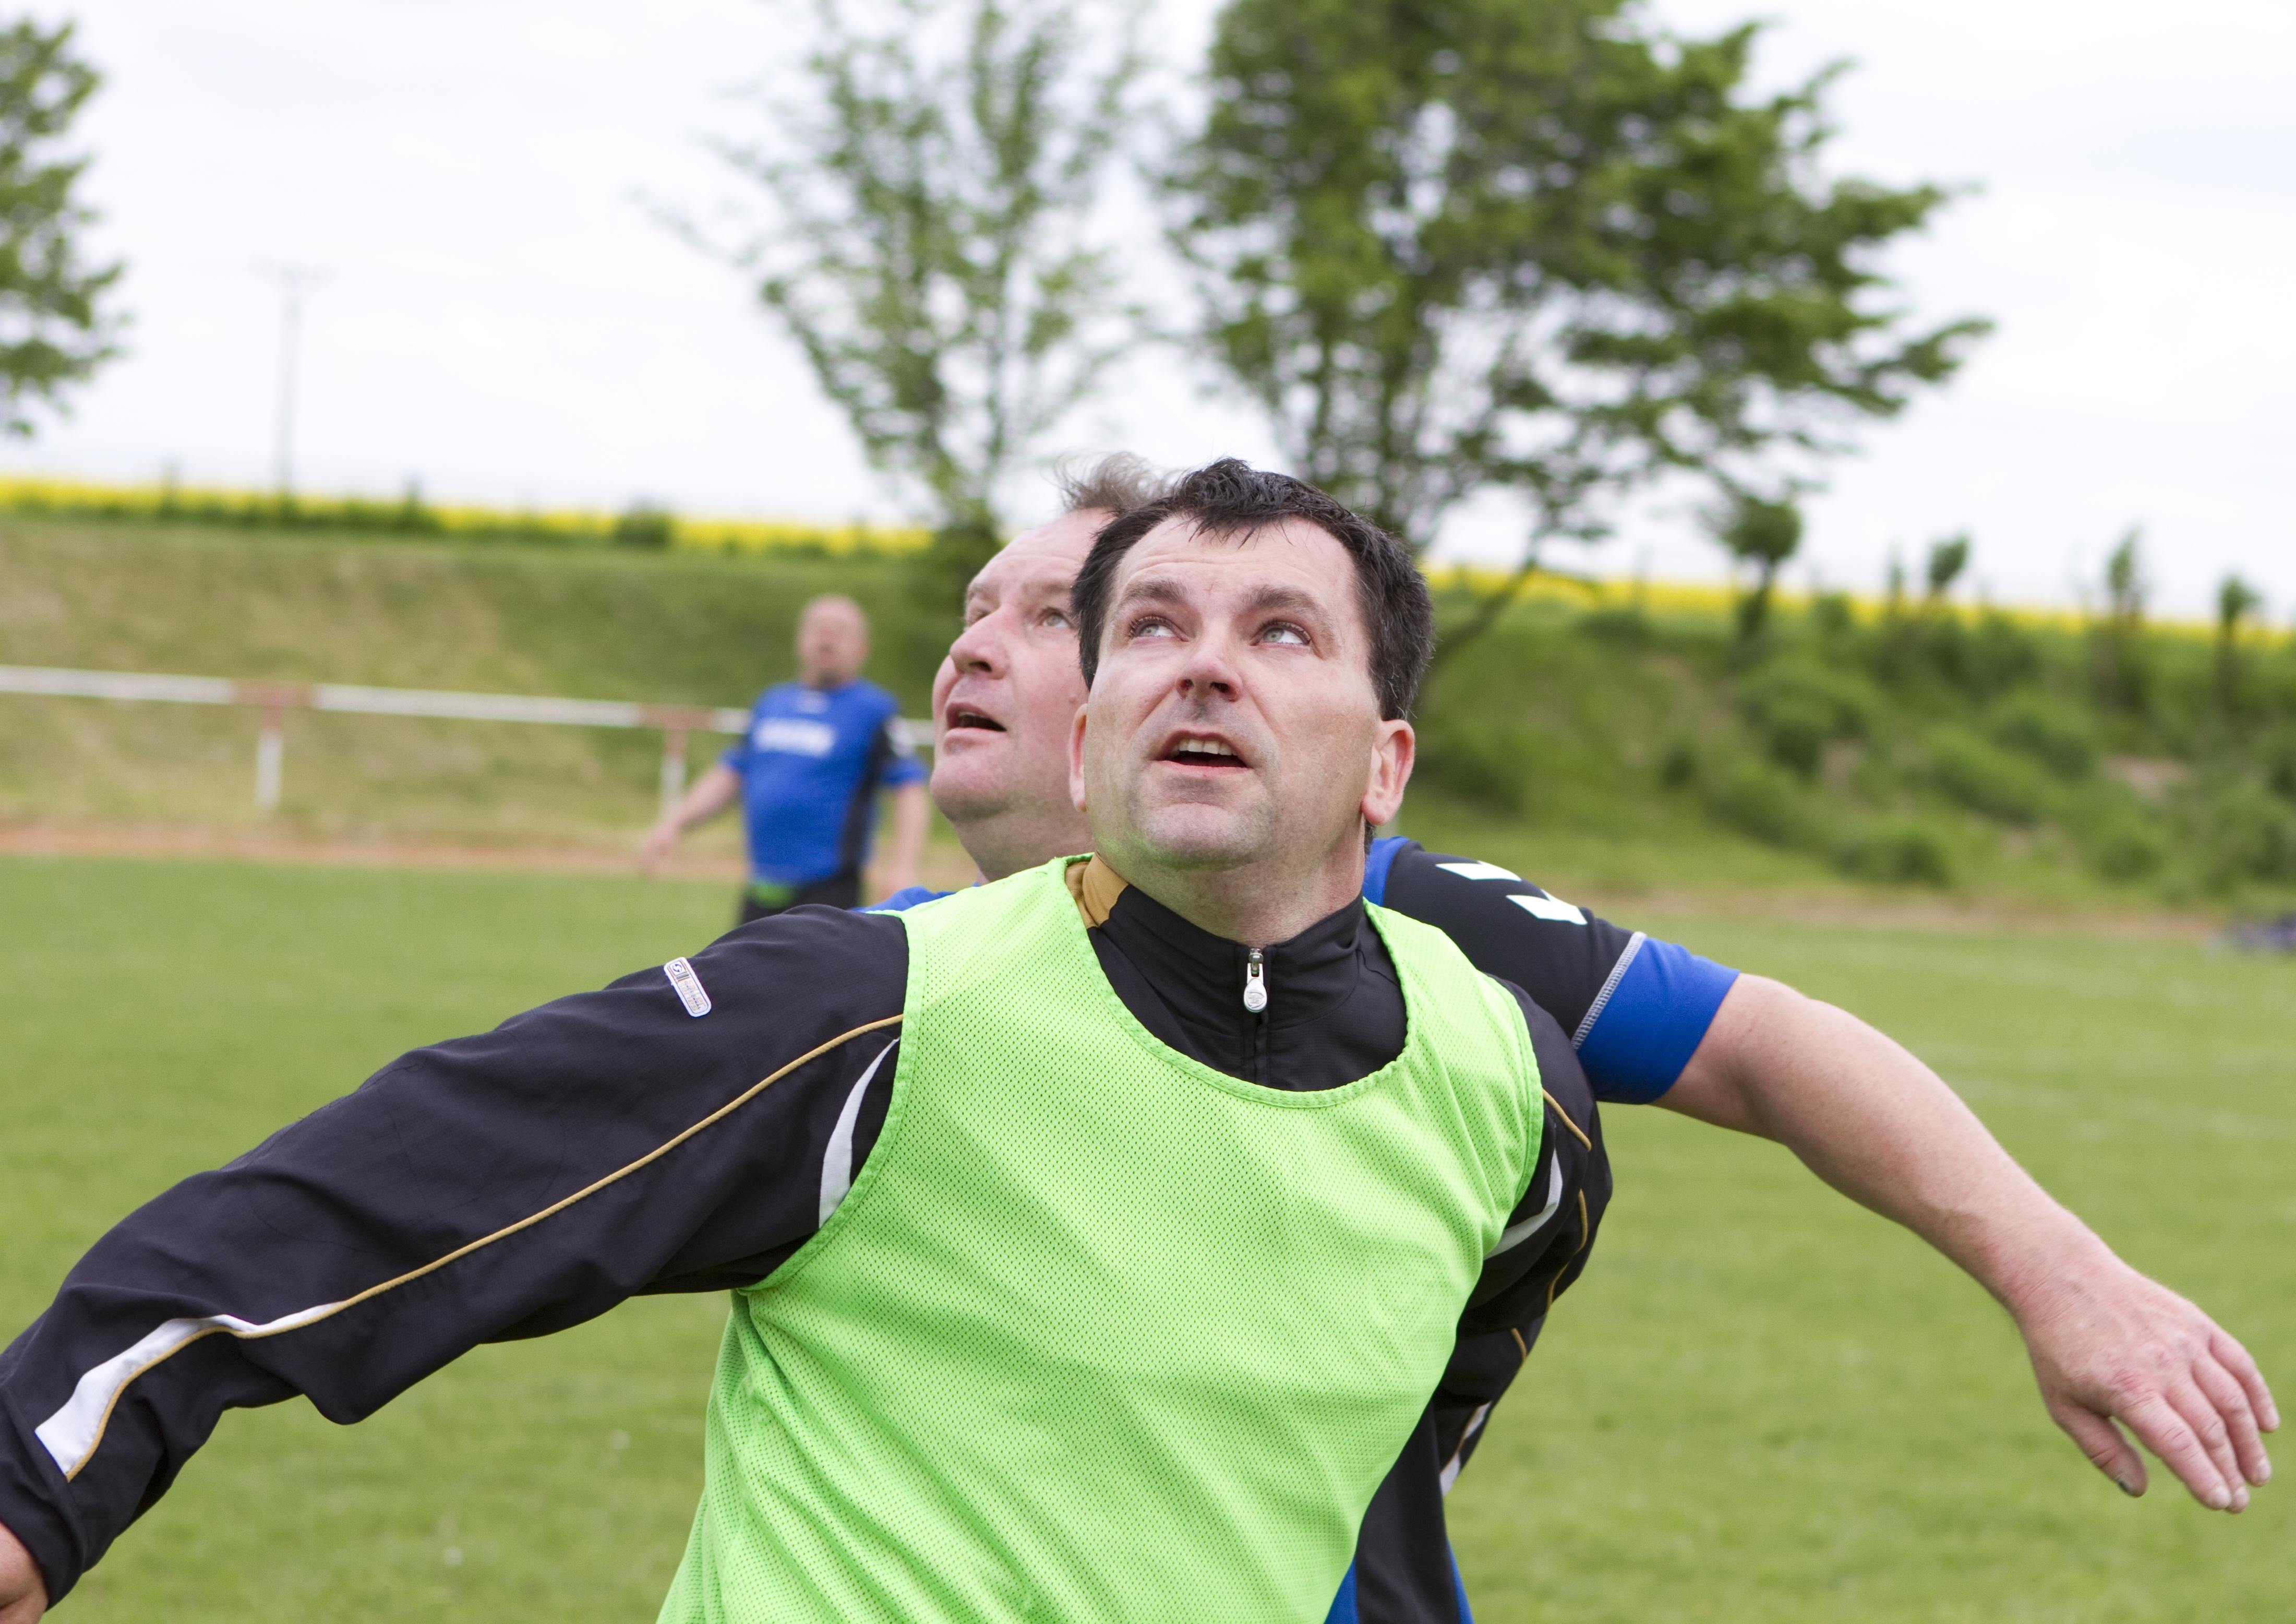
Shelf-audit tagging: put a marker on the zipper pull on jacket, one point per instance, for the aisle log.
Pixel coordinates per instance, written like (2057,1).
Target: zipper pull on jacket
(1255,981)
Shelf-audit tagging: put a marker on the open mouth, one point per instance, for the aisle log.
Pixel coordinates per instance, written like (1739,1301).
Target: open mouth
(1204,752)
(962,716)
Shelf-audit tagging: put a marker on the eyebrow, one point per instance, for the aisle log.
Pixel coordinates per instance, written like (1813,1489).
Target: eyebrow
(1293,598)
(1151,589)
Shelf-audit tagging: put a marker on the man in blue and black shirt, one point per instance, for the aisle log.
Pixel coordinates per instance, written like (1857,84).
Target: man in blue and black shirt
(1648,1023)
(808,773)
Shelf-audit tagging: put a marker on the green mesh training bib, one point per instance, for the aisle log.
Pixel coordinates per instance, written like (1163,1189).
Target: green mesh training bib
(1100,1333)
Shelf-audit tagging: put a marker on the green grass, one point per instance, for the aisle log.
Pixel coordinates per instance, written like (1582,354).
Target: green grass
(160,1018)
(1760,1405)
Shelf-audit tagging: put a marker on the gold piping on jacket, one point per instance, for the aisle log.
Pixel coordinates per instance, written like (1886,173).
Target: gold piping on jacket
(436,1264)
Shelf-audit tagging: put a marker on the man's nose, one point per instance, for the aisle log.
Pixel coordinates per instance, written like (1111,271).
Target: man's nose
(1210,668)
(980,647)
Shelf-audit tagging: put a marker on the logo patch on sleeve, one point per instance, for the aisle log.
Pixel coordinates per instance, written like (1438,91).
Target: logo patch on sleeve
(1549,907)
(689,986)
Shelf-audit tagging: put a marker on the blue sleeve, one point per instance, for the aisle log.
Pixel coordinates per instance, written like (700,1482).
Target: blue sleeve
(1635,1009)
(902,900)
(1377,861)
(1649,1018)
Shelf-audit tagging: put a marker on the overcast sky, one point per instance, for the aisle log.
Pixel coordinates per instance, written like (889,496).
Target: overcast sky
(504,321)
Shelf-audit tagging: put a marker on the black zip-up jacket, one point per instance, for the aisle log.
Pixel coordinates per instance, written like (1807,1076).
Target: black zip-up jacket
(613,1144)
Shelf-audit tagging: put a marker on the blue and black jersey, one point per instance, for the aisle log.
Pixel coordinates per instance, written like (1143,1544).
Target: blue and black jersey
(1636,1007)
(686,1128)
(811,765)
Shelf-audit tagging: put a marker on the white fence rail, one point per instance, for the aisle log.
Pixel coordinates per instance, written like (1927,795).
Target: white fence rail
(274,700)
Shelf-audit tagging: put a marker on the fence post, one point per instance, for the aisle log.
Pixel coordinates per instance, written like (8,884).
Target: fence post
(270,755)
(672,769)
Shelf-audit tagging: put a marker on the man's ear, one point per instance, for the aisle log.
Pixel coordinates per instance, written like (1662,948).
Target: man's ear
(1075,755)
(1392,756)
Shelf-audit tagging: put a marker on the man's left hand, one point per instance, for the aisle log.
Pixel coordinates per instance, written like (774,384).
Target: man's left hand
(2109,1345)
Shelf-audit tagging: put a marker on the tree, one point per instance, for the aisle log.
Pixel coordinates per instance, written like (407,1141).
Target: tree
(1948,558)
(2236,600)
(2122,672)
(55,330)
(1448,244)
(930,180)
(1762,534)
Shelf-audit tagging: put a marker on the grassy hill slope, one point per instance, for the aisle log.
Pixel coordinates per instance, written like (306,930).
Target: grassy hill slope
(593,623)
(1605,748)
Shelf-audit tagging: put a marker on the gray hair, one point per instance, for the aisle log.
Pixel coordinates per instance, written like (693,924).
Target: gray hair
(1115,483)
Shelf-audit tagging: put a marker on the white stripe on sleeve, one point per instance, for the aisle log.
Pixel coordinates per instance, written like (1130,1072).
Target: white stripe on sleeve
(1516,1235)
(837,1162)
(1609,985)
(72,1434)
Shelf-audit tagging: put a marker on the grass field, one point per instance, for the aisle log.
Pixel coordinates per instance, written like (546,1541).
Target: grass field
(1761,1405)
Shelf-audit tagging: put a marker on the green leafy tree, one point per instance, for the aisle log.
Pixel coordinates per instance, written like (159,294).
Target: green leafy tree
(1449,244)
(2122,672)
(2236,600)
(1761,534)
(1948,558)
(929,179)
(55,329)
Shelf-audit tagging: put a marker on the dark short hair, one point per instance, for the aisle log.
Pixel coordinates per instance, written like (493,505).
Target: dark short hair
(1228,497)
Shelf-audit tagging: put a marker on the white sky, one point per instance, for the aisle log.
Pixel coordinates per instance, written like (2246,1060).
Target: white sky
(504,321)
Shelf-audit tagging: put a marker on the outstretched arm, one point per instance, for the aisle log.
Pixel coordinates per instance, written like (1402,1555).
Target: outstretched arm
(710,794)
(639,1138)
(2107,1344)
(1653,1022)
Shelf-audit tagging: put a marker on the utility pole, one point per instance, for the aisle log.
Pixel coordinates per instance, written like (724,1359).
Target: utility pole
(293,281)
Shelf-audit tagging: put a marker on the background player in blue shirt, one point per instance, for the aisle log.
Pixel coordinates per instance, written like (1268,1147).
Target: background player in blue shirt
(807,773)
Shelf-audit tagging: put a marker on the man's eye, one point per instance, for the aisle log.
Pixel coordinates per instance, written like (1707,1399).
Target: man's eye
(1283,633)
(1059,617)
(1151,625)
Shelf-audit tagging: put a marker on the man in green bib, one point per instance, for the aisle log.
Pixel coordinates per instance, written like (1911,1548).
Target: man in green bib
(1096,1236)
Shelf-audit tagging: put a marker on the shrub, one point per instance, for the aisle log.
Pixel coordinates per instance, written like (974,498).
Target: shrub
(1624,625)
(1944,646)
(2127,850)
(2001,655)
(2279,755)
(2053,733)
(1475,759)
(1755,798)
(1797,708)
(1902,852)
(1831,613)
(1985,778)
(2242,832)
(1678,765)
(644,525)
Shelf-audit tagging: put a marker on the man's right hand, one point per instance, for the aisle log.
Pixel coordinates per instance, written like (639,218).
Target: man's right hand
(653,852)
(716,789)
(23,1593)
